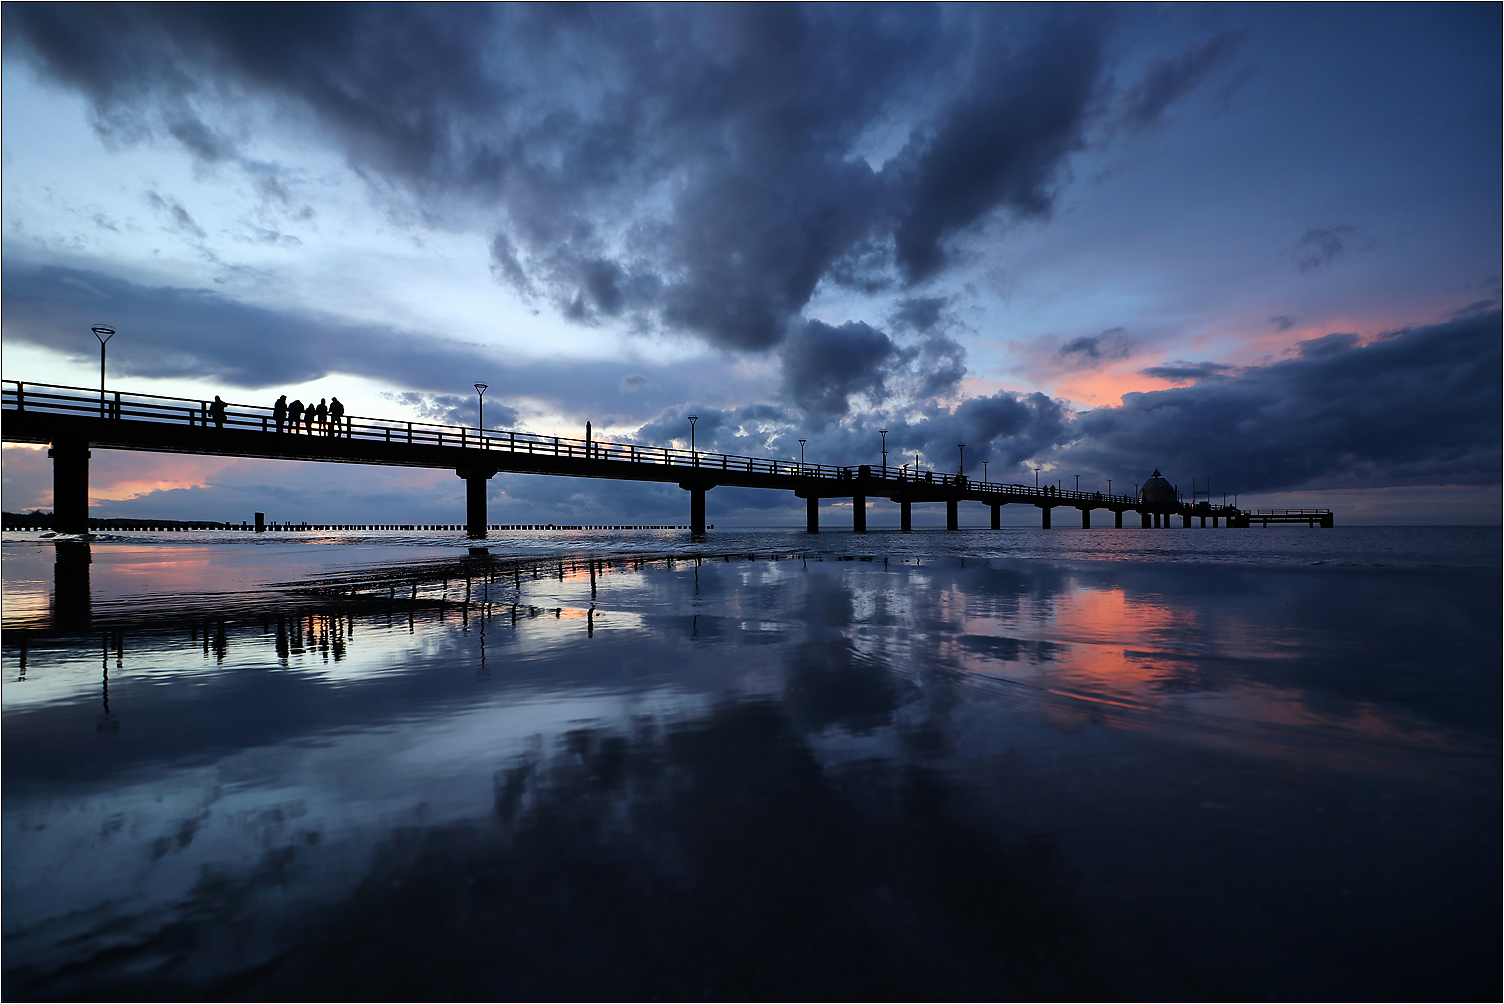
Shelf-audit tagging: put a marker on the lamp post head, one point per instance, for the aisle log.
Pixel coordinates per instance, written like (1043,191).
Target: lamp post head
(481,387)
(694,418)
(103,333)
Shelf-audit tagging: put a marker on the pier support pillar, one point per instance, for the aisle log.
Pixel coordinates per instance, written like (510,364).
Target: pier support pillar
(997,517)
(1117,519)
(70,487)
(859,513)
(1214,522)
(812,515)
(952,518)
(475,498)
(1086,519)
(697,510)
(1145,520)
(697,492)
(1203,522)
(261,522)
(1155,517)
(1044,517)
(1185,521)
(905,516)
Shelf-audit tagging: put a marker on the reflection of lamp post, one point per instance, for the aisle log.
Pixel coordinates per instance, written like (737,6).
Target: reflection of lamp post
(480,393)
(884,434)
(692,420)
(104,335)
(961,467)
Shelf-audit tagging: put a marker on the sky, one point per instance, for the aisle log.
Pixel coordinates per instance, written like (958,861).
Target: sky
(1257,246)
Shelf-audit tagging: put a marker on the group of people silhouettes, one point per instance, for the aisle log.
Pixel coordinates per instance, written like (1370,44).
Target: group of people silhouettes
(323,419)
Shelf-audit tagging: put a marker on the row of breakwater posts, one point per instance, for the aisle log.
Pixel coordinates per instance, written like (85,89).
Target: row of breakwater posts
(73,420)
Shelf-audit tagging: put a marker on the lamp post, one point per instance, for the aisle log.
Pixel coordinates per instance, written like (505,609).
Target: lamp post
(480,411)
(884,434)
(1109,486)
(984,471)
(692,420)
(104,335)
(961,467)
(801,455)
(1036,477)
(1078,482)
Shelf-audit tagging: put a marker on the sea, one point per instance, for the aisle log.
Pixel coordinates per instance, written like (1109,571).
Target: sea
(761,764)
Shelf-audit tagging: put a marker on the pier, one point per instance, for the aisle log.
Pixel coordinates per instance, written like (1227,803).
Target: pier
(72,420)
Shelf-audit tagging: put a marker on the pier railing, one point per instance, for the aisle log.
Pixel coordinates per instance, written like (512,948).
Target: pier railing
(57,399)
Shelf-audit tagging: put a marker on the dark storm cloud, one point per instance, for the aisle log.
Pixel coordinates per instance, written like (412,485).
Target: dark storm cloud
(1166,80)
(697,167)
(825,365)
(1421,406)
(172,332)
(1180,370)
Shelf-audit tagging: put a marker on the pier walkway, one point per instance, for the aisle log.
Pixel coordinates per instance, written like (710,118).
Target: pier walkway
(73,419)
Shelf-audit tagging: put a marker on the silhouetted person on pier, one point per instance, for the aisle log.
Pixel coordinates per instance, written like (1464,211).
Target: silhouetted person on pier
(322,414)
(294,415)
(336,417)
(217,412)
(310,414)
(279,412)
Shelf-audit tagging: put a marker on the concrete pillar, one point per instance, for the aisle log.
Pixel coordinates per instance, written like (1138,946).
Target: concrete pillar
(1203,522)
(952,518)
(475,498)
(1117,518)
(697,510)
(1145,520)
(905,516)
(1044,517)
(1086,519)
(859,513)
(1156,521)
(812,515)
(997,517)
(1214,522)
(261,522)
(1185,521)
(70,487)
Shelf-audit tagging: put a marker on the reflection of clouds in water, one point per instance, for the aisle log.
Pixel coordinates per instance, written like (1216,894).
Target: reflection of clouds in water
(649,739)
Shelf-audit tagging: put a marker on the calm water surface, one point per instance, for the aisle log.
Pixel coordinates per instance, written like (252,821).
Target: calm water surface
(1139,764)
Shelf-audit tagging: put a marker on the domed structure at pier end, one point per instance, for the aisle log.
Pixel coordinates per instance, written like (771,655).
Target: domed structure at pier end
(1157,494)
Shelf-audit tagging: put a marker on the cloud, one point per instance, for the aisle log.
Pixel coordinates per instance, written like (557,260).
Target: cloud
(1418,407)
(825,365)
(456,409)
(1167,80)
(1282,322)
(168,331)
(1091,351)
(920,313)
(1325,245)
(1315,348)
(710,192)
(1180,371)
